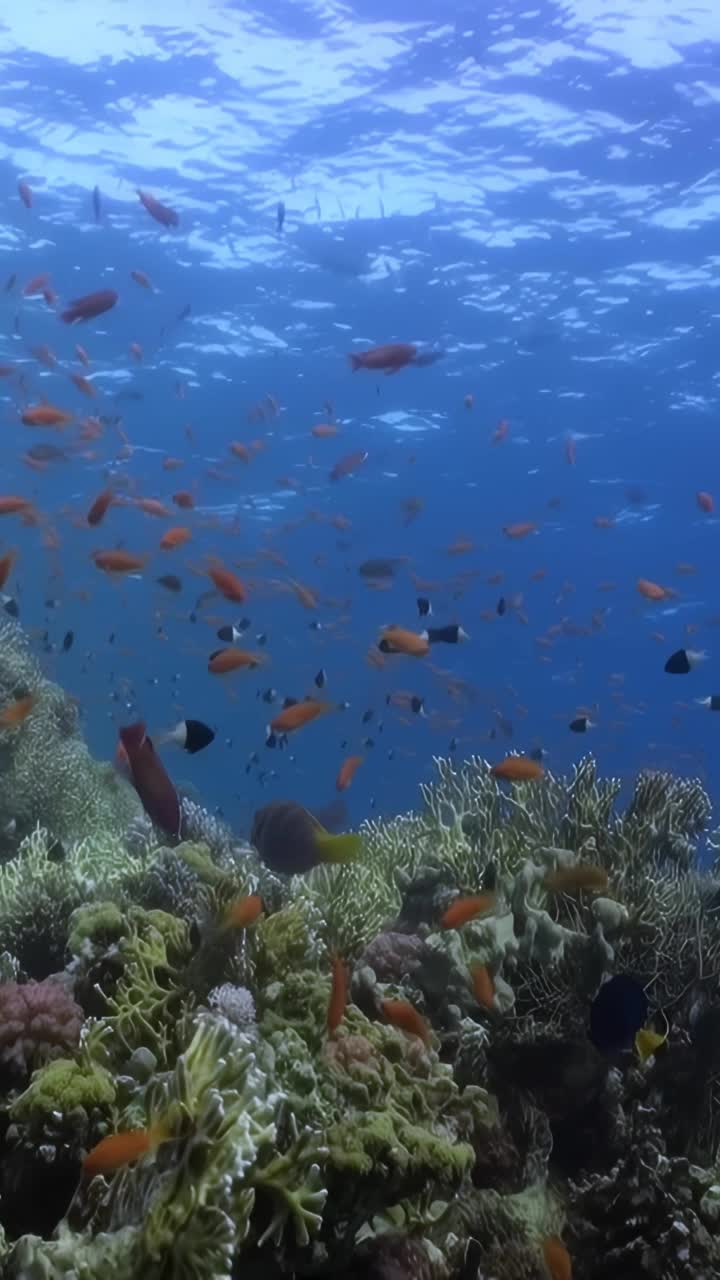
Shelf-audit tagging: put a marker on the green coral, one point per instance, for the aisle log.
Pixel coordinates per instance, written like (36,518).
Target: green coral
(287,1147)
(63,1085)
(387,1108)
(47,774)
(184,1212)
(95,925)
(150,995)
(39,890)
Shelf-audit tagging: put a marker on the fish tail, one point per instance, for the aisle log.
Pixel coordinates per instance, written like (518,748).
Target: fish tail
(355,363)
(344,848)
(158,1132)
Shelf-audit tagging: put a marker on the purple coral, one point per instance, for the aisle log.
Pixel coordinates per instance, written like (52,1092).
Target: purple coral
(393,956)
(38,1020)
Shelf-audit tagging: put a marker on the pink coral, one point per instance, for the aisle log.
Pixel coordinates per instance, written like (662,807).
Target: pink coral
(38,1020)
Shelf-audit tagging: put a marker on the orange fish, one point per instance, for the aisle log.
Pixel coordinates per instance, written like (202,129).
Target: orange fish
(557,1259)
(10,505)
(223,661)
(175,537)
(228,584)
(172,464)
(391,357)
(7,563)
(119,1149)
(464,909)
(36,285)
(469,401)
(83,384)
(82,355)
(298,714)
(501,431)
(244,912)
(705,501)
(184,499)
(307,598)
(17,712)
(403,1015)
(571,451)
(349,464)
(25,194)
(99,507)
(162,213)
(136,351)
(583,875)
(603,522)
(483,986)
(338,994)
(347,772)
(394,639)
(240,451)
(45,356)
(140,278)
(520,530)
(518,769)
(653,590)
(45,415)
(118,561)
(152,507)
(324,430)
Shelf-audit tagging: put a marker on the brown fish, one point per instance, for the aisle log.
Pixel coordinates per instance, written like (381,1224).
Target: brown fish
(290,840)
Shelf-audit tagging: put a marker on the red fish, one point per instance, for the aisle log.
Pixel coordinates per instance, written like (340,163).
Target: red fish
(36,285)
(347,772)
(350,463)
(391,357)
(25,194)
(160,212)
(89,306)
(705,501)
(338,994)
(156,791)
(99,507)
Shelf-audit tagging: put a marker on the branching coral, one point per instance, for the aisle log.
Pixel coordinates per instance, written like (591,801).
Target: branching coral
(290,1151)
(185,1213)
(41,887)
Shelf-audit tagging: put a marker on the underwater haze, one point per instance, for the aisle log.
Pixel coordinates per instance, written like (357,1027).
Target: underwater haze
(529,195)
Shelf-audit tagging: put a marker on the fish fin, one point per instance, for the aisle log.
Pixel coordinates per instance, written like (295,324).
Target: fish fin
(345,848)
(648,1041)
(159,1132)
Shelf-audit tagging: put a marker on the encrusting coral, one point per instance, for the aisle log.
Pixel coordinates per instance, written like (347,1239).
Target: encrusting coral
(291,1141)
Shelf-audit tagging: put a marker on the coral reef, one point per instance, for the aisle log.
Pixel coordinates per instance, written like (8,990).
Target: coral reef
(47,774)
(482,1135)
(38,1020)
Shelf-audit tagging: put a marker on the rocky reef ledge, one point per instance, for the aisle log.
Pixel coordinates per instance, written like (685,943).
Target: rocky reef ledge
(500,1144)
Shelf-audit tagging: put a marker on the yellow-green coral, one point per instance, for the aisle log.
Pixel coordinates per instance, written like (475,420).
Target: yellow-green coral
(150,995)
(63,1085)
(47,774)
(39,890)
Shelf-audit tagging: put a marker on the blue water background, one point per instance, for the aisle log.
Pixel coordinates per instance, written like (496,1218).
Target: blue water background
(533,190)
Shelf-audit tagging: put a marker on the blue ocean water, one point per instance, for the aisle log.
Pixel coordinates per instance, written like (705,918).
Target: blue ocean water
(533,191)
